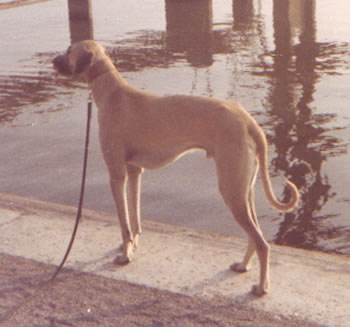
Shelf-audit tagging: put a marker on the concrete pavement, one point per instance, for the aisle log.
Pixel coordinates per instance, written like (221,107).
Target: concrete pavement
(311,285)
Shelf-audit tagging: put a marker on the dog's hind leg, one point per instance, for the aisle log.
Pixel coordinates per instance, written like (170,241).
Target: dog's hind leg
(244,266)
(236,168)
(243,217)
(134,183)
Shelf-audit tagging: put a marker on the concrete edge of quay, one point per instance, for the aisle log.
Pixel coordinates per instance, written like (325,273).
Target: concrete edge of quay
(308,284)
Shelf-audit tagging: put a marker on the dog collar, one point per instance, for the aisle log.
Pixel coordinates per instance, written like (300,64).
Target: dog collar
(97,69)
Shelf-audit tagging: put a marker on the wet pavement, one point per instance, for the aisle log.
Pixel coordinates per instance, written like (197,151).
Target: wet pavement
(287,62)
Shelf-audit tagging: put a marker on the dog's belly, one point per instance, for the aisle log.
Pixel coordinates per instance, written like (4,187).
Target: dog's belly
(158,159)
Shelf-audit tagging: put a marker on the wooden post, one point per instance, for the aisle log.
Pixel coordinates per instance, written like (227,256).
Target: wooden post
(80,20)
(189,29)
(243,13)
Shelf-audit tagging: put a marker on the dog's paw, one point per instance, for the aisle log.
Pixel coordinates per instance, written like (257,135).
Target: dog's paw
(127,255)
(135,242)
(122,260)
(259,291)
(239,267)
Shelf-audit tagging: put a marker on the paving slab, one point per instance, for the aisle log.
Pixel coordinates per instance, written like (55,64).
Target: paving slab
(306,284)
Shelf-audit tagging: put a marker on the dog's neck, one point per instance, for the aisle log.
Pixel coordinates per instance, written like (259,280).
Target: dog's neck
(99,68)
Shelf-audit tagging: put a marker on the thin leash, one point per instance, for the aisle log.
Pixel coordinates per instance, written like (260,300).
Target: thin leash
(12,311)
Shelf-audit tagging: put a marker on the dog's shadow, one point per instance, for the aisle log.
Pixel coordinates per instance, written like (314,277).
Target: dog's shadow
(223,279)
(102,264)
(213,281)
(217,282)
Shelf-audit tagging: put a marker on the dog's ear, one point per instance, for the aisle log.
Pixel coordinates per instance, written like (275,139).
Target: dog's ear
(83,62)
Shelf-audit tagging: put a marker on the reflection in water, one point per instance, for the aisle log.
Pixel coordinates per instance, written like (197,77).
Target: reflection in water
(19,91)
(297,131)
(188,37)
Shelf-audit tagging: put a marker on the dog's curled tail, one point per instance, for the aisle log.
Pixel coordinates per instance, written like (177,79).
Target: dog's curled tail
(281,206)
(262,156)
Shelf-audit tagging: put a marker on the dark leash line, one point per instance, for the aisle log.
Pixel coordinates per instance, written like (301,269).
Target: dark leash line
(11,312)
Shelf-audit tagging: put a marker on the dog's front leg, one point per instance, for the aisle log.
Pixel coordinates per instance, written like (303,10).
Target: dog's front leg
(118,186)
(134,182)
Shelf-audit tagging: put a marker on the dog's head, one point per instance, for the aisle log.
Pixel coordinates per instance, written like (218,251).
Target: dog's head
(78,59)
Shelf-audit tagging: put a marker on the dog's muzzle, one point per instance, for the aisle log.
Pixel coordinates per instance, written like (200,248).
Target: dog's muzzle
(60,64)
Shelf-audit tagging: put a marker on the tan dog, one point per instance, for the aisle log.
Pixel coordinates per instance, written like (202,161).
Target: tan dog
(140,130)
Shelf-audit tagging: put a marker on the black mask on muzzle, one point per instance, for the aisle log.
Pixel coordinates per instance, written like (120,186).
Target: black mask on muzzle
(60,64)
